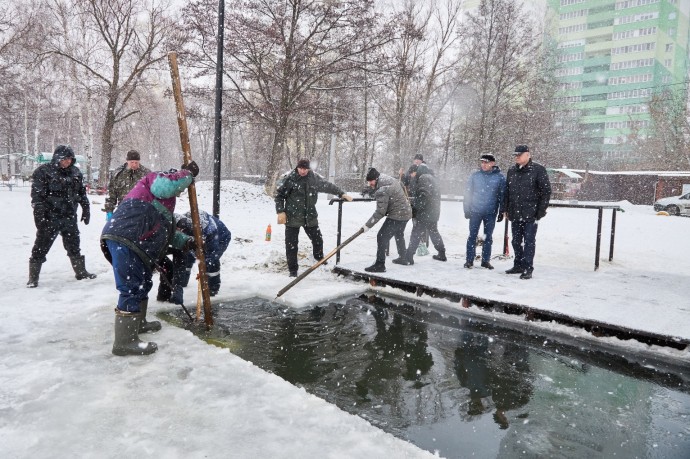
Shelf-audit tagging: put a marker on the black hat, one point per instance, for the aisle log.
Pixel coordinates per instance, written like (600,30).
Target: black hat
(521,149)
(487,157)
(303,164)
(63,152)
(419,157)
(133,155)
(413,168)
(373,174)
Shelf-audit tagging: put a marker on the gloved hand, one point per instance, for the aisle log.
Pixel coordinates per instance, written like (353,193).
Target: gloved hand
(500,217)
(541,215)
(282,218)
(40,218)
(85,214)
(365,228)
(467,215)
(347,197)
(190,244)
(192,167)
(108,216)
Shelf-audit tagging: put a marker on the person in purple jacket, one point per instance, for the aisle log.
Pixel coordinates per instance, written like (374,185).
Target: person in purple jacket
(133,240)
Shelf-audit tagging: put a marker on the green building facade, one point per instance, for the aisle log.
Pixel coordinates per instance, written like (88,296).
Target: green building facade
(612,56)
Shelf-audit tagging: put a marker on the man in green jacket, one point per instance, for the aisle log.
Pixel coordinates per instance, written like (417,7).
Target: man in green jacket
(296,208)
(126,176)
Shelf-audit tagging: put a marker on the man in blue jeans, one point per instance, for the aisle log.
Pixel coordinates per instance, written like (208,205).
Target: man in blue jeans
(527,196)
(482,201)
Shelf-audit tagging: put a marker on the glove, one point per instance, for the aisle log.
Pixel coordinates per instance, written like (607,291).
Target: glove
(39,216)
(347,197)
(365,228)
(282,218)
(108,216)
(192,167)
(467,215)
(541,215)
(85,215)
(190,245)
(500,217)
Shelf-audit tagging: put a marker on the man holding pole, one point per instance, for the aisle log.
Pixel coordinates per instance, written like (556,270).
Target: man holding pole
(391,203)
(296,208)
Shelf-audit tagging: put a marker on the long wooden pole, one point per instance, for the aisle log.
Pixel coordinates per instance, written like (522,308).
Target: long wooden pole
(319,263)
(193,204)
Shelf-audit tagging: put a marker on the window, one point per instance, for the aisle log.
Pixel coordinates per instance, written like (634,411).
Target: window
(669,47)
(668,62)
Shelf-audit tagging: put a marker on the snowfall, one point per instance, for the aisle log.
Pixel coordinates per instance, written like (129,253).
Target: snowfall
(63,394)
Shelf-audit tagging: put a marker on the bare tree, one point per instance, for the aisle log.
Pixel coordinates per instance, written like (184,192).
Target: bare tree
(116,42)
(283,56)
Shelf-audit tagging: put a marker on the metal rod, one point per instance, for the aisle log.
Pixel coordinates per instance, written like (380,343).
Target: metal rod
(193,204)
(339,233)
(218,126)
(596,252)
(613,233)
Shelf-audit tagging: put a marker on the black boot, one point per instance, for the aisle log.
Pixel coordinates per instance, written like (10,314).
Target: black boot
(127,335)
(441,256)
(514,270)
(144,326)
(376,268)
(527,274)
(487,265)
(34,271)
(403,261)
(79,267)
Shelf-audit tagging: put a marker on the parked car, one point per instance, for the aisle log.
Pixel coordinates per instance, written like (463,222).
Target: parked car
(674,205)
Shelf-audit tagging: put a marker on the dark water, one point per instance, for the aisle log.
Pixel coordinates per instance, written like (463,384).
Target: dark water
(461,387)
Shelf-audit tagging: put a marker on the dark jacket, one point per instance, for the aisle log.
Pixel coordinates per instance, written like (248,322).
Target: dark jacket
(144,220)
(391,201)
(528,192)
(56,192)
(297,196)
(216,235)
(426,201)
(122,183)
(485,192)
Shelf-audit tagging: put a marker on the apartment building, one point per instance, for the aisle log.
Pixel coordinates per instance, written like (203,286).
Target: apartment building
(613,55)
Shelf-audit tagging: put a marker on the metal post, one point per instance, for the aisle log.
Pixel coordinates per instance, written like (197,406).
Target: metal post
(339,234)
(613,234)
(596,252)
(219,109)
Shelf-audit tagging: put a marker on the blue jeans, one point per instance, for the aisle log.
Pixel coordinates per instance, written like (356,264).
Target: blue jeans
(132,278)
(489,221)
(524,243)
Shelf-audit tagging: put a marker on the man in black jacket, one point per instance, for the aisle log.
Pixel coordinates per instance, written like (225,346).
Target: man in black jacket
(296,208)
(56,191)
(527,196)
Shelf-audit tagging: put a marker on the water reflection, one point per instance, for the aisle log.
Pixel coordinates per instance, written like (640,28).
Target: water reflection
(462,387)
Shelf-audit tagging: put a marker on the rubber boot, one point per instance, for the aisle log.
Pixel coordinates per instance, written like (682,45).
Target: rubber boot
(79,267)
(34,271)
(126,335)
(144,326)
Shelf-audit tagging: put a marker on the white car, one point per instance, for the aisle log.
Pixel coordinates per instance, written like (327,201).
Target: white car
(674,205)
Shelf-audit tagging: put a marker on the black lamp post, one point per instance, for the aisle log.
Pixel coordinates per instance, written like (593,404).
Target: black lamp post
(219,109)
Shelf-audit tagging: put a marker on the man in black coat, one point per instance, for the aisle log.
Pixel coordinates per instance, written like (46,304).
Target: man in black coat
(296,208)
(57,189)
(528,191)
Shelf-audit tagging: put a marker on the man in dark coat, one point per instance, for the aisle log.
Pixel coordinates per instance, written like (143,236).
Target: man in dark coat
(483,199)
(126,176)
(57,189)
(296,208)
(426,209)
(391,203)
(527,196)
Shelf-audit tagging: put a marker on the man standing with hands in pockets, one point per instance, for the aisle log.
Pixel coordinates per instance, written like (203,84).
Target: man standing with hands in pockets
(527,196)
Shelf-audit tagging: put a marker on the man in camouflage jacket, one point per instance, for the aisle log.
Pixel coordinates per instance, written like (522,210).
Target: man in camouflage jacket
(126,176)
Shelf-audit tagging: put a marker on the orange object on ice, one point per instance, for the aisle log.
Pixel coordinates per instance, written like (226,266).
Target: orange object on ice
(268,232)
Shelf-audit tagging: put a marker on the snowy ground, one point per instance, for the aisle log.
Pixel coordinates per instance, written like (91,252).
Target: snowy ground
(64,394)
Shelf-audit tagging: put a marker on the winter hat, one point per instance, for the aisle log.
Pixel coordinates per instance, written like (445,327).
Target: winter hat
(521,149)
(373,174)
(422,169)
(63,152)
(487,157)
(419,157)
(413,168)
(303,164)
(133,155)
